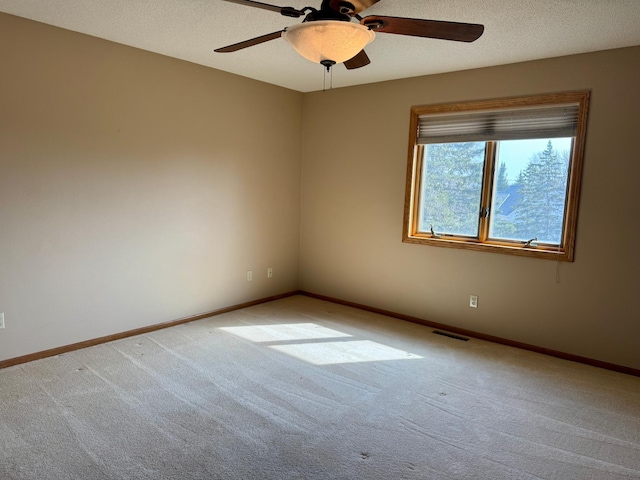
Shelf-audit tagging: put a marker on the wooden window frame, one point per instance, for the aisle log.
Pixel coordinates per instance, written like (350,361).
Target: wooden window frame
(563,252)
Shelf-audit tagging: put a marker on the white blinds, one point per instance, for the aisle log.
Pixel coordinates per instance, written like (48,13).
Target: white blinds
(507,124)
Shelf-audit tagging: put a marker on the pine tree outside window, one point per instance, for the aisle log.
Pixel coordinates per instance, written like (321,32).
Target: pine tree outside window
(499,176)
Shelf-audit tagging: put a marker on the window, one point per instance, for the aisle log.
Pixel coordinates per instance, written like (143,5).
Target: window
(500,175)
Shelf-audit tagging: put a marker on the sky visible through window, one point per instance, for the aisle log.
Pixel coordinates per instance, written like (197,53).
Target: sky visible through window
(520,152)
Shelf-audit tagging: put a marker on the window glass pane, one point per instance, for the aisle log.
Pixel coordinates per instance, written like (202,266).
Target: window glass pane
(530,190)
(451,188)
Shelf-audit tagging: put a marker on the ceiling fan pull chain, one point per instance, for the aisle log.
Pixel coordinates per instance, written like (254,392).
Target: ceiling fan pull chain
(331,79)
(327,64)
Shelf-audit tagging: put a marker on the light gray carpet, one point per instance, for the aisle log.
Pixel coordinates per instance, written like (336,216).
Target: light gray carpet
(305,389)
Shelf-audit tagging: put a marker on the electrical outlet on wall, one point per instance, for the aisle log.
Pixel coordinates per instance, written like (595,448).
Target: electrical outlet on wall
(473,301)
(2,320)
(249,275)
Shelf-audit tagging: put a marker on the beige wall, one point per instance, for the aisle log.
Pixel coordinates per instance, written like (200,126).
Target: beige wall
(135,188)
(352,207)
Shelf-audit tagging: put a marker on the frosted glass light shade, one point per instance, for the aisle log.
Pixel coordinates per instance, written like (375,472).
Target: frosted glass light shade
(328,40)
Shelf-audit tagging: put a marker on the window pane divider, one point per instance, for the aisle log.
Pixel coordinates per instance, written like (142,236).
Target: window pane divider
(487,190)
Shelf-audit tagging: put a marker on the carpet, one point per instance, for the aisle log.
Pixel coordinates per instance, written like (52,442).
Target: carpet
(300,388)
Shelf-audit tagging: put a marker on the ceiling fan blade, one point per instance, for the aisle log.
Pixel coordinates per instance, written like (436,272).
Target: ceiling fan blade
(360,60)
(249,43)
(286,11)
(460,32)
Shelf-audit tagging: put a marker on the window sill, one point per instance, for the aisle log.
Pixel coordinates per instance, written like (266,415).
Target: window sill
(537,251)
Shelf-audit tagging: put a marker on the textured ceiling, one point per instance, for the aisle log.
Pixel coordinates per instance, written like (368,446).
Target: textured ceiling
(515,30)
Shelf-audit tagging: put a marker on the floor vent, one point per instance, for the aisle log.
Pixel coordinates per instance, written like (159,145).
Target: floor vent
(451,335)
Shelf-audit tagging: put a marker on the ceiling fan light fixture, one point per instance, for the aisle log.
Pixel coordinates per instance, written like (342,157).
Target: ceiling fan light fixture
(333,40)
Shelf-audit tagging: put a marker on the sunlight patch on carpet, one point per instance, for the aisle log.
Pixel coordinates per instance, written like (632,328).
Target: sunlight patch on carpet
(328,353)
(323,351)
(284,332)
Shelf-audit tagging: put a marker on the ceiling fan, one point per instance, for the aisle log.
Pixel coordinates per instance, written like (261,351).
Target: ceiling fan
(329,35)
